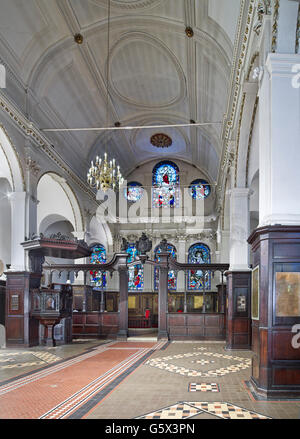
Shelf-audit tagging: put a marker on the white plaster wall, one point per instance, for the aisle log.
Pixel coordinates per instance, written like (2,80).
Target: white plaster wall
(65,228)
(5,223)
(53,200)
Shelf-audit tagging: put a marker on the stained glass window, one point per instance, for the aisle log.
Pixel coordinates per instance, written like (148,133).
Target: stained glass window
(134,191)
(165,182)
(199,254)
(98,256)
(199,189)
(135,272)
(172,278)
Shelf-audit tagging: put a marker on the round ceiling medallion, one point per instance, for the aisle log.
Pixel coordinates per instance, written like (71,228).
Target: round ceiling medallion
(161,140)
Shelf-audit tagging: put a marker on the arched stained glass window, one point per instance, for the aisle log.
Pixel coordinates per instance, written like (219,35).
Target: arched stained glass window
(199,189)
(135,272)
(172,278)
(134,191)
(165,182)
(98,256)
(199,254)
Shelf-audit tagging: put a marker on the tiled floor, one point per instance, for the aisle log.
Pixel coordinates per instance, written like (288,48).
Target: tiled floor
(94,379)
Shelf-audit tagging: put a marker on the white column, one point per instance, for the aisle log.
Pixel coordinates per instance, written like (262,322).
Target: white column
(279,134)
(18,224)
(239,229)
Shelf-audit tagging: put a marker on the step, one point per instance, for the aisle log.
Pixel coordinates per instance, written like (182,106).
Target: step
(141,338)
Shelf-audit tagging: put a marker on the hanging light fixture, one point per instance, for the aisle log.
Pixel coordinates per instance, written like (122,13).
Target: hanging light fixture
(104,174)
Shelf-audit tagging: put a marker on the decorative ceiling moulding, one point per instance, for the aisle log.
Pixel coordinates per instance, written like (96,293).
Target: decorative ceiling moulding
(128,4)
(263,8)
(238,139)
(161,140)
(145,38)
(245,24)
(32,166)
(253,59)
(276,5)
(40,141)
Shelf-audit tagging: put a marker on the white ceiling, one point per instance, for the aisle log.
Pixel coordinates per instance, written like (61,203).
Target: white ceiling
(157,75)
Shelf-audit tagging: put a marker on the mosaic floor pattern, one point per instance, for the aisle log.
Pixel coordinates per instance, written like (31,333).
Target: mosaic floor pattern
(25,359)
(185,410)
(204,387)
(235,363)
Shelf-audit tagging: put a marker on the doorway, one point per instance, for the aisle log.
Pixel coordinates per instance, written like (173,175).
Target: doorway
(142,311)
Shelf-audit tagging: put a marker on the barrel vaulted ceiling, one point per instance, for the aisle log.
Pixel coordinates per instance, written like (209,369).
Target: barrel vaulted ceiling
(157,75)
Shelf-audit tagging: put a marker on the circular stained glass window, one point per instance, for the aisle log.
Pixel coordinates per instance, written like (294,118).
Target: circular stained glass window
(134,191)
(199,189)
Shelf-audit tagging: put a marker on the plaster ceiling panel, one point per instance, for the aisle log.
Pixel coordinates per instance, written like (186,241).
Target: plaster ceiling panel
(146,71)
(19,23)
(71,92)
(218,11)
(208,157)
(212,88)
(90,12)
(144,75)
(28,28)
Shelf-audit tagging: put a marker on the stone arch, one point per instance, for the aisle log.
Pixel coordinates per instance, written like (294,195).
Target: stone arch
(10,167)
(5,224)
(99,232)
(56,197)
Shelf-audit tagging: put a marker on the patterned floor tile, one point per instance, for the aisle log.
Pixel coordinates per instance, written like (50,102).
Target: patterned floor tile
(20,365)
(202,362)
(46,356)
(226,410)
(162,364)
(204,387)
(176,411)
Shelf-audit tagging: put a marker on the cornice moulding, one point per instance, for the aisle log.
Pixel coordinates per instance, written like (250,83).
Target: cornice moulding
(41,142)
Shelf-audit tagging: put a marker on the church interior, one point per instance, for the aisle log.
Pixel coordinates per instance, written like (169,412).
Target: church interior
(149,209)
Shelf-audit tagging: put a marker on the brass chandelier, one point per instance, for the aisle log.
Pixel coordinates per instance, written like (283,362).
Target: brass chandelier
(104,174)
